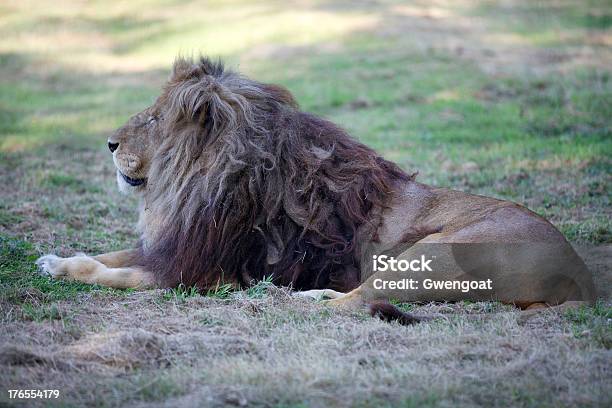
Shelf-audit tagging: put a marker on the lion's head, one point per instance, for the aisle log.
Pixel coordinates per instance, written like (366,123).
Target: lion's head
(237,184)
(133,146)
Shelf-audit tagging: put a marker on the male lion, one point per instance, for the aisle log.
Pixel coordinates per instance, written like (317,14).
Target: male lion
(237,184)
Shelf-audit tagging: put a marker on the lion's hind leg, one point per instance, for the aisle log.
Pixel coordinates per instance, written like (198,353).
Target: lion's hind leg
(118,259)
(383,309)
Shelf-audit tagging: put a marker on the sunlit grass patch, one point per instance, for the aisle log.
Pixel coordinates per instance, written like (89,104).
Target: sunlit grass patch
(550,23)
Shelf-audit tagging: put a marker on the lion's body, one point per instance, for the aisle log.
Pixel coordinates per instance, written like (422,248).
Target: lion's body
(237,184)
(527,259)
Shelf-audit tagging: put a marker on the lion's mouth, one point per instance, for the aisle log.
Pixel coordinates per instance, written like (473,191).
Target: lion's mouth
(133,181)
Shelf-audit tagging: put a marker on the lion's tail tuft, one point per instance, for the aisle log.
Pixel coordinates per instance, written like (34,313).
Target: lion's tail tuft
(389,313)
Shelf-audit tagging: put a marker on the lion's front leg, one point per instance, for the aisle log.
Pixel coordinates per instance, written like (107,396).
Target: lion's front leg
(118,259)
(91,270)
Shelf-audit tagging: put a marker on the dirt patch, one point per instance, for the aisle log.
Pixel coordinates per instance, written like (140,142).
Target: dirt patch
(124,349)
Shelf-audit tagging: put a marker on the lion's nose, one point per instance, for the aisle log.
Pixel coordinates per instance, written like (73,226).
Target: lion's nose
(112,146)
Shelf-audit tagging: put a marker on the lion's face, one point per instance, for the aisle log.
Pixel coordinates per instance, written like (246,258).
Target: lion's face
(133,146)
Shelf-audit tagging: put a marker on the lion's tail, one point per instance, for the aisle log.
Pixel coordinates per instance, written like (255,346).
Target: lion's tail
(390,313)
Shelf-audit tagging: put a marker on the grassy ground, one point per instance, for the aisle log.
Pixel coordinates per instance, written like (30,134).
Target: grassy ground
(509,99)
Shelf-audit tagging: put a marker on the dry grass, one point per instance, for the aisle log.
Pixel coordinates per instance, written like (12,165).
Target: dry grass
(165,349)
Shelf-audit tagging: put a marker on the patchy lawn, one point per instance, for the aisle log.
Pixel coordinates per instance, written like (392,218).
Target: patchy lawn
(509,99)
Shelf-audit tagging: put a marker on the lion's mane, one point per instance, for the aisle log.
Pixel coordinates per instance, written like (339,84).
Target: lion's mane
(248,186)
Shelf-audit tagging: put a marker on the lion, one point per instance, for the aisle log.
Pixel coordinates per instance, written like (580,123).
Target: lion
(237,184)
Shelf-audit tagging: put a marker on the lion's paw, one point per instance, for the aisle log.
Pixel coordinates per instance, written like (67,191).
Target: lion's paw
(319,294)
(309,294)
(49,265)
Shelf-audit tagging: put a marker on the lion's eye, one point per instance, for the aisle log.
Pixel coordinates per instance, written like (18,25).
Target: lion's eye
(151,119)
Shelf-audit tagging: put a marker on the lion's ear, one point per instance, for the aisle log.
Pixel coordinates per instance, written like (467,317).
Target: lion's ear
(206,102)
(189,100)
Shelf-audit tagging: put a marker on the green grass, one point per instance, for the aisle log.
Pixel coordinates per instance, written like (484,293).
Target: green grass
(260,289)
(540,21)
(37,297)
(180,293)
(19,275)
(7,219)
(221,291)
(592,322)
